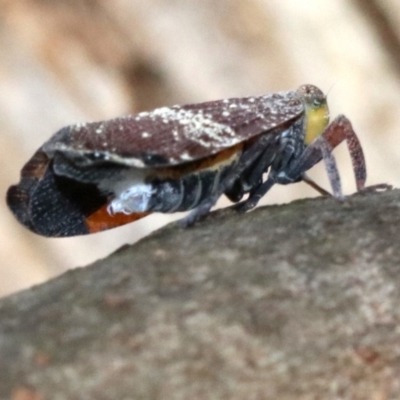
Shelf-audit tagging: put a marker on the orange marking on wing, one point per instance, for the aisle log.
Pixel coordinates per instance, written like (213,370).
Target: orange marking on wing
(101,220)
(194,166)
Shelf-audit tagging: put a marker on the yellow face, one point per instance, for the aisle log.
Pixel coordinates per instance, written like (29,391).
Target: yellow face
(316,109)
(317,120)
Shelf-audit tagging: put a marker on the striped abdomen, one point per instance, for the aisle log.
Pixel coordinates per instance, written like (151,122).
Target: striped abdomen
(173,189)
(186,192)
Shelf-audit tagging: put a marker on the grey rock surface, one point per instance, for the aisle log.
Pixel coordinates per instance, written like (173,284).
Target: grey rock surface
(299,301)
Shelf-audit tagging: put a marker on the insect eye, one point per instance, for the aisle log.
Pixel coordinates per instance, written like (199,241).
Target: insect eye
(317,102)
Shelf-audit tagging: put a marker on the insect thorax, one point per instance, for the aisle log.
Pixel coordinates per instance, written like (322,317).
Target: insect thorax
(291,146)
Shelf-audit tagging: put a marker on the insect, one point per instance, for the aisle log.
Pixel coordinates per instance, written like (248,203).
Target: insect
(96,176)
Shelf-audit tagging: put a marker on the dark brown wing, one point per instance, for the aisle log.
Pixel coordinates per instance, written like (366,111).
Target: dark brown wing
(174,135)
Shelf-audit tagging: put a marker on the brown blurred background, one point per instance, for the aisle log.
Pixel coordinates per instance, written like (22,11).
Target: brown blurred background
(70,61)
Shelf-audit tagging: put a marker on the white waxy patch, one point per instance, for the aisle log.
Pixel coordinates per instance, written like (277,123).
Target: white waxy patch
(145,134)
(130,192)
(133,199)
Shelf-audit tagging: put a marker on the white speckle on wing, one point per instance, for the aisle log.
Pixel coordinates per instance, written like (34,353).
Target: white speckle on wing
(162,111)
(100,129)
(197,126)
(171,131)
(142,114)
(185,156)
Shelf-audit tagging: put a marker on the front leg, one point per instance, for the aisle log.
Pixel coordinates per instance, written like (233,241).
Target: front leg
(295,173)
(335,133)
(321,148)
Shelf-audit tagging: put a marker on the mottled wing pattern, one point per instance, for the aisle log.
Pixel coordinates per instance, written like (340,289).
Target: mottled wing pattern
(174,135)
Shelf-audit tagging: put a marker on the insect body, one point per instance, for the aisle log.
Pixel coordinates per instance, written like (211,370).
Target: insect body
(96,176)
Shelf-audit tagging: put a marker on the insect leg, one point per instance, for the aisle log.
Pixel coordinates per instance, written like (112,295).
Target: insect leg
(314,185)
(278,171)
(341,129)
(252,177)
(344,131)
(296,171)
(248,157)
(319,149)
(338,131)
(256,195)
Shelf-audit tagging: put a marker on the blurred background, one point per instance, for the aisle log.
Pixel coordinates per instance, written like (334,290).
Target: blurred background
(70,61)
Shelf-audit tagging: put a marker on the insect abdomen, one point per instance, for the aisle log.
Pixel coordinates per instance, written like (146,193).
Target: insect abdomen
(187,192)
